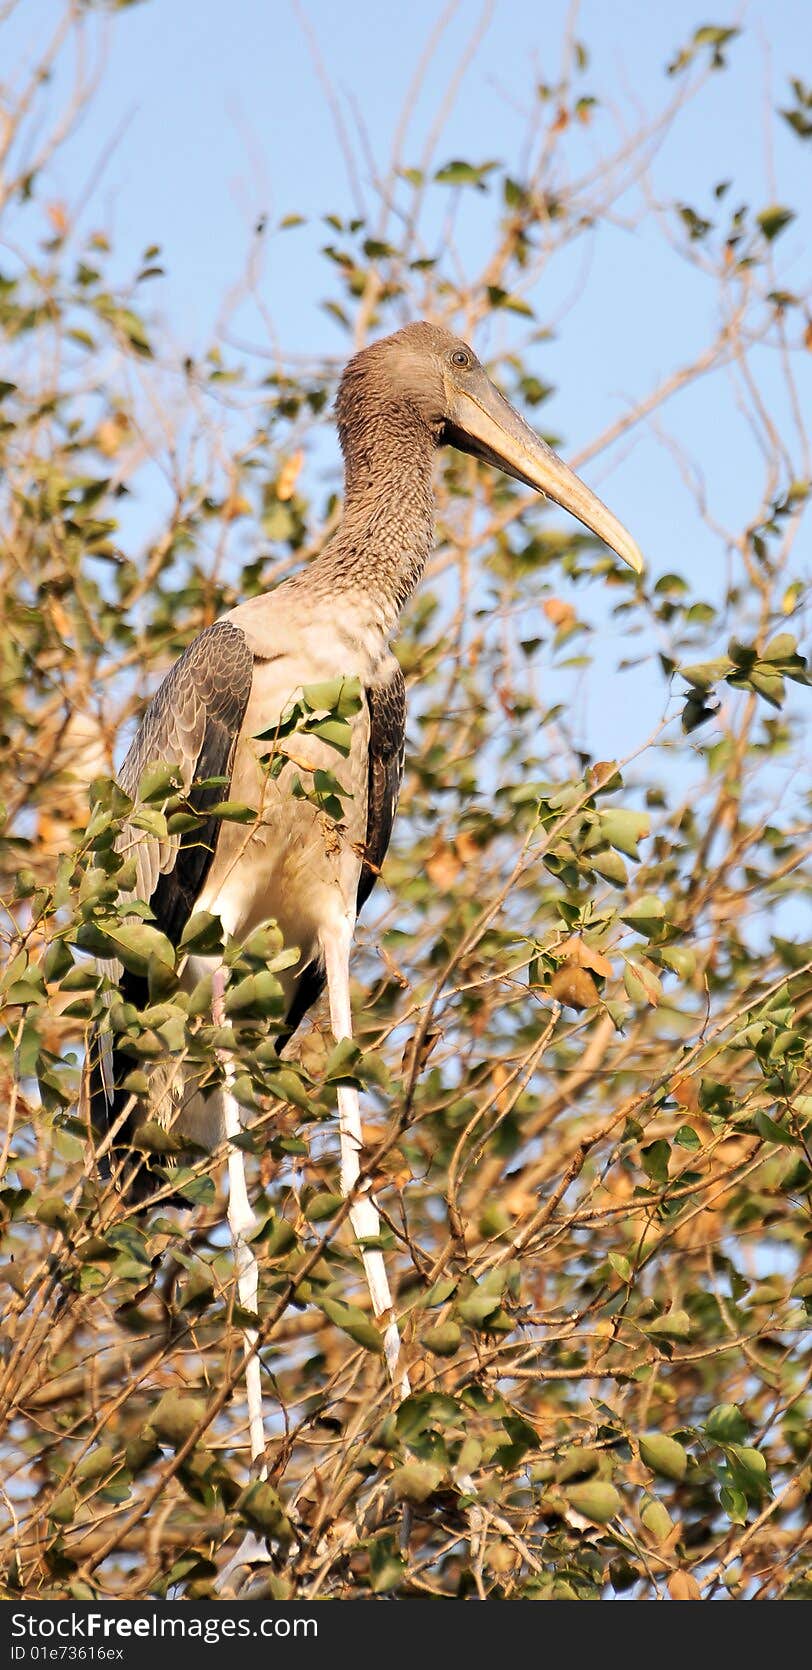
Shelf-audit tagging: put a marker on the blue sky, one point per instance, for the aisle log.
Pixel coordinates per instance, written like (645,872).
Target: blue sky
(208,116)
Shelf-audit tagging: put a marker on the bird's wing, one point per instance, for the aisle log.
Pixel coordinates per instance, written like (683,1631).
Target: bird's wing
(387,752)
(193,722)
(386,705)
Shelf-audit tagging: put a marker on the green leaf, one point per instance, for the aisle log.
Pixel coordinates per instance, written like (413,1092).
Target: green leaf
(336,732)
(159,782)
(783,647)
(687,1137)
(610,866)
(459,173)
(444,1340)
(277,1235)
(710,34)
(513,304)
(726,1424)
(624,829)
(385,1565)
(140,1452)
(202,935)
(681,959)
(263,1508)
(655,1158)
(734,1503)
(417,1480)
(477,1306)
(421,1411)
(259,994)
(621,1266)
(642,984)
(439,1292)
(63,1507)
(322,1206)
(343,1062)
(676,1325)
(197,1292)
(191,1565)
(702,675)
(656,1519)
(98,1462)
(577,1463)
(265,945)
(352,1321)
(596,1500)
(54,1212)
(152,1137)
(341,697)
(774,219)
(151,821)
(176,1417)
(749,1471)
(768,685)
(57,961)
(771,1131)
(664,1455)
(135,944)
(232,811)
(646,913)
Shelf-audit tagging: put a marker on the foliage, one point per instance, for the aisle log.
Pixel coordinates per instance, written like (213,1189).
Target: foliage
(582,996)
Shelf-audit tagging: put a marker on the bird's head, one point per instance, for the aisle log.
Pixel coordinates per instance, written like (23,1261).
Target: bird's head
(438,380)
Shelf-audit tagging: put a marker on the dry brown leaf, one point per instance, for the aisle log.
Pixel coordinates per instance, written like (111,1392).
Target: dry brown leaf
(60,617)
(426,1047)
(393,1171)
(559,612)
(289,475)
(682,1586)
(111,432)
(686,1092)
(236,505)
(501,1076)
(574,986)
(518,1199)
(442,865)
(466,847)
(577,953)
(650,984)
(58,216)
(268,1168)
(600,773)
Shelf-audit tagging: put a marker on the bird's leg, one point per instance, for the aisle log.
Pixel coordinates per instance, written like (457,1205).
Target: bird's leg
(336,942)
(241,1221)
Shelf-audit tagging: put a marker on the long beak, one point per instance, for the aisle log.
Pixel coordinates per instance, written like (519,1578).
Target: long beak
(482,422)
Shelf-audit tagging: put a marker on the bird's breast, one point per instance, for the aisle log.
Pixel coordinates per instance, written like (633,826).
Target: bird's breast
(298,860)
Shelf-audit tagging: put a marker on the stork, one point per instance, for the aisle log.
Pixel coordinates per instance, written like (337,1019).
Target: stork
(399,401)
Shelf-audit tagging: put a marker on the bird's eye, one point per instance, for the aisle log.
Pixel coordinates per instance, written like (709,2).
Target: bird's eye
(459,357)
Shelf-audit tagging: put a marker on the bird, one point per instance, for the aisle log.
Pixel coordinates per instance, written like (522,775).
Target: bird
(400,400)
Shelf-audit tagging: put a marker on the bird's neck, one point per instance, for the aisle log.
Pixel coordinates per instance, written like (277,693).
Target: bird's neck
(377,557)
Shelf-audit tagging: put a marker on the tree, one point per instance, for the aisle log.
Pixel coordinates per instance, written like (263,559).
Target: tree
(581,995)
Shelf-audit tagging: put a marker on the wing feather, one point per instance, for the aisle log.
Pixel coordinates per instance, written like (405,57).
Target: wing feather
(193,722)
(386,704)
